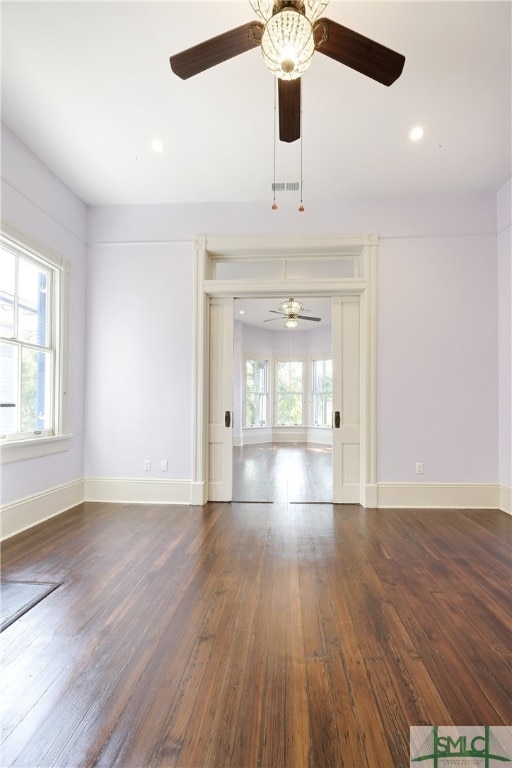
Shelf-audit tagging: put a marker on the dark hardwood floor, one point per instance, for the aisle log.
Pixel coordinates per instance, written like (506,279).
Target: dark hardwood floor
(249,635)
(282,472)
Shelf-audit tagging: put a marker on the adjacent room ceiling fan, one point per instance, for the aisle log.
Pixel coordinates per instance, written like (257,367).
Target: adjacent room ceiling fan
(289,33)
(291,311)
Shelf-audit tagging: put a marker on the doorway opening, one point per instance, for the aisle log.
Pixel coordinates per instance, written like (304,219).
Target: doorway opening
(282,403)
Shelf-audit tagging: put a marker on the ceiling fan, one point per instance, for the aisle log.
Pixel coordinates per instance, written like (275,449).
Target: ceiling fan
(290,310)
(289,33)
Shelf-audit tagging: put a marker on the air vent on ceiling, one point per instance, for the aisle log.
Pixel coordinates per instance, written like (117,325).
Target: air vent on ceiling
(285,186)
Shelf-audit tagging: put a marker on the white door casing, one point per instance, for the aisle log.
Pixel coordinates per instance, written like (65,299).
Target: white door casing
(357,438)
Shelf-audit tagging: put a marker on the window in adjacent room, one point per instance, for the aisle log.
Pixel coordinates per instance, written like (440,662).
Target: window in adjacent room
(322,393)
(256,393)
(30,345)
(290,393)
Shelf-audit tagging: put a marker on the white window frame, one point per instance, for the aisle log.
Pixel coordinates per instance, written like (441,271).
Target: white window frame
(17,447)
(257,359)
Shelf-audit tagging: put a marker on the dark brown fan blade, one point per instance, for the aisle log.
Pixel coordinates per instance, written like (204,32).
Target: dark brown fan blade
(305,317)
(358,52)
(278,313)
(216,50)
(289,109)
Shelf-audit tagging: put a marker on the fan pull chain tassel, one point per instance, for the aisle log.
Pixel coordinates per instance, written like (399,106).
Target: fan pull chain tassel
(274,204)
(301,206)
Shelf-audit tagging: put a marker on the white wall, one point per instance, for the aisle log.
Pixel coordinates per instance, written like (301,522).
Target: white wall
(437,360)
(504,211)
(139,377)
(37,205)
(471,214)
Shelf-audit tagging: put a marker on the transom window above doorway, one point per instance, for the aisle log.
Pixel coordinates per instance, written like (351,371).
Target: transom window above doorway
(337,267)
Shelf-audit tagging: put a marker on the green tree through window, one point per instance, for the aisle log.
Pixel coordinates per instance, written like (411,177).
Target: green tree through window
(290,393)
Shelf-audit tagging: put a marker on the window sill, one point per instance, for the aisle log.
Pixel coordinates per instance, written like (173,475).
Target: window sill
(33,449)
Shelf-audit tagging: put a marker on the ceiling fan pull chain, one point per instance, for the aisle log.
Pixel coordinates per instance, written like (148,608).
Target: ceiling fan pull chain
(301,206)
(274,204)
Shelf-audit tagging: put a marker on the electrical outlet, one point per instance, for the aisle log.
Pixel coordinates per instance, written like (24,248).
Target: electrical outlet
(419,467)
(147,465)
(164,466)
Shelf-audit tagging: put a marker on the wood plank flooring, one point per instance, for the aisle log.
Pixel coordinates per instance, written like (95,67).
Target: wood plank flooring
(282,472)
(247,635)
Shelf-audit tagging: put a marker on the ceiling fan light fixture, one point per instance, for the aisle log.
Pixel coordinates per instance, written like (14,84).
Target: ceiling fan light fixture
(287,44)
(291,322)
(291,307)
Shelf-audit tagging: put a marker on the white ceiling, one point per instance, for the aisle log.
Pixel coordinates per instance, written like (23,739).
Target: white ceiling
(87,86)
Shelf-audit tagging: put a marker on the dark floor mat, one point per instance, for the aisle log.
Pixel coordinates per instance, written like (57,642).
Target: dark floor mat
(18,597)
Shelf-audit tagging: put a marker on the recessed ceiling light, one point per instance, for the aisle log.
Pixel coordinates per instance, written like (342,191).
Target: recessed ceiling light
(157,146)
(242,311)
(417,133)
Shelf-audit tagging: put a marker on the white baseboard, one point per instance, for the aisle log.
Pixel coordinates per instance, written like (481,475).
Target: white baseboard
(255,436)
(27,512)
(128,490)
(369,496)
(440,495)
(309,435)
(506,499)
(198,494)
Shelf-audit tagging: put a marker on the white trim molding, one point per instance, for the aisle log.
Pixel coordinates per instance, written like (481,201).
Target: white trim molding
(32,510)
(134,491)
(19,450)
(438,495)
(506,499)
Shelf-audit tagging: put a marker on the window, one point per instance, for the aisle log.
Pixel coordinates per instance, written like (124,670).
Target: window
(289,393)
(256,393)
(30,345)
(322,393)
